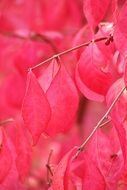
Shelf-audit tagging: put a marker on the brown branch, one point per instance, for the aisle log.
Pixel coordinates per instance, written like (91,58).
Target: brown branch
(70,50)
(100,123)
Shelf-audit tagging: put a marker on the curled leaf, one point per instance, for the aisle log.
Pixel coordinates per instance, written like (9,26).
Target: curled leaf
(95,72)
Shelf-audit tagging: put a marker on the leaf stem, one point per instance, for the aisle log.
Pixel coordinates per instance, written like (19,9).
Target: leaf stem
(70,50)
(105,123)
(49,171)
(100,123)
(6,121)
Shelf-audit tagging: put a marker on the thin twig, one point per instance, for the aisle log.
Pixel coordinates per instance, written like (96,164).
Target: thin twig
(70,50)
(6,121)
(49,171)
(105,123)
(99,123)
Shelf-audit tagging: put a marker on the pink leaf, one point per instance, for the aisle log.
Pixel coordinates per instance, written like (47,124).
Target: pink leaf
(101,74)
(118,113)
(35,108)
(120,31)
(48,75)
(63,99)
(13,96)
(85,90)
(84,34)
(95,11)
(103,161)
(106,29)
(93,179)
(24,153)
(5,156)
(125,74)
(61,173)
(109,156)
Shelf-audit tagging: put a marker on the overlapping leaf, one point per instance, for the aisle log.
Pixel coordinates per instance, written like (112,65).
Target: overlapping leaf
(24,153)
(61,173)
(103,162)
(120,30)
(119,113)
(95,72)
(35,108)
(95,11)
(48,75)
(63,99)
(5,156)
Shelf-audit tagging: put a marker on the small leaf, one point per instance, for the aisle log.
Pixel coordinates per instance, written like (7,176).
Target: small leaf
(85,90)
(35,109)
(60,179)
(125,74)
(95,11)
(49,73)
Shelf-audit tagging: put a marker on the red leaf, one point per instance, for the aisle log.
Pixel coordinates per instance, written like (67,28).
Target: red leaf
(24,153)
(106,29)
(84,34)
(48,75)
(5,156)
(110,158)
(103,164)
(85,90)
(101,74)
(14,97)
(35,108)
(61,173)
(95,11)
(118,113)
(63,99)
(93,179)
(120,31)
(125,74)
(121,135)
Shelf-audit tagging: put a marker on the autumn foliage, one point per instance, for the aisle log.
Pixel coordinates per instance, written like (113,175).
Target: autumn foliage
(63,97)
